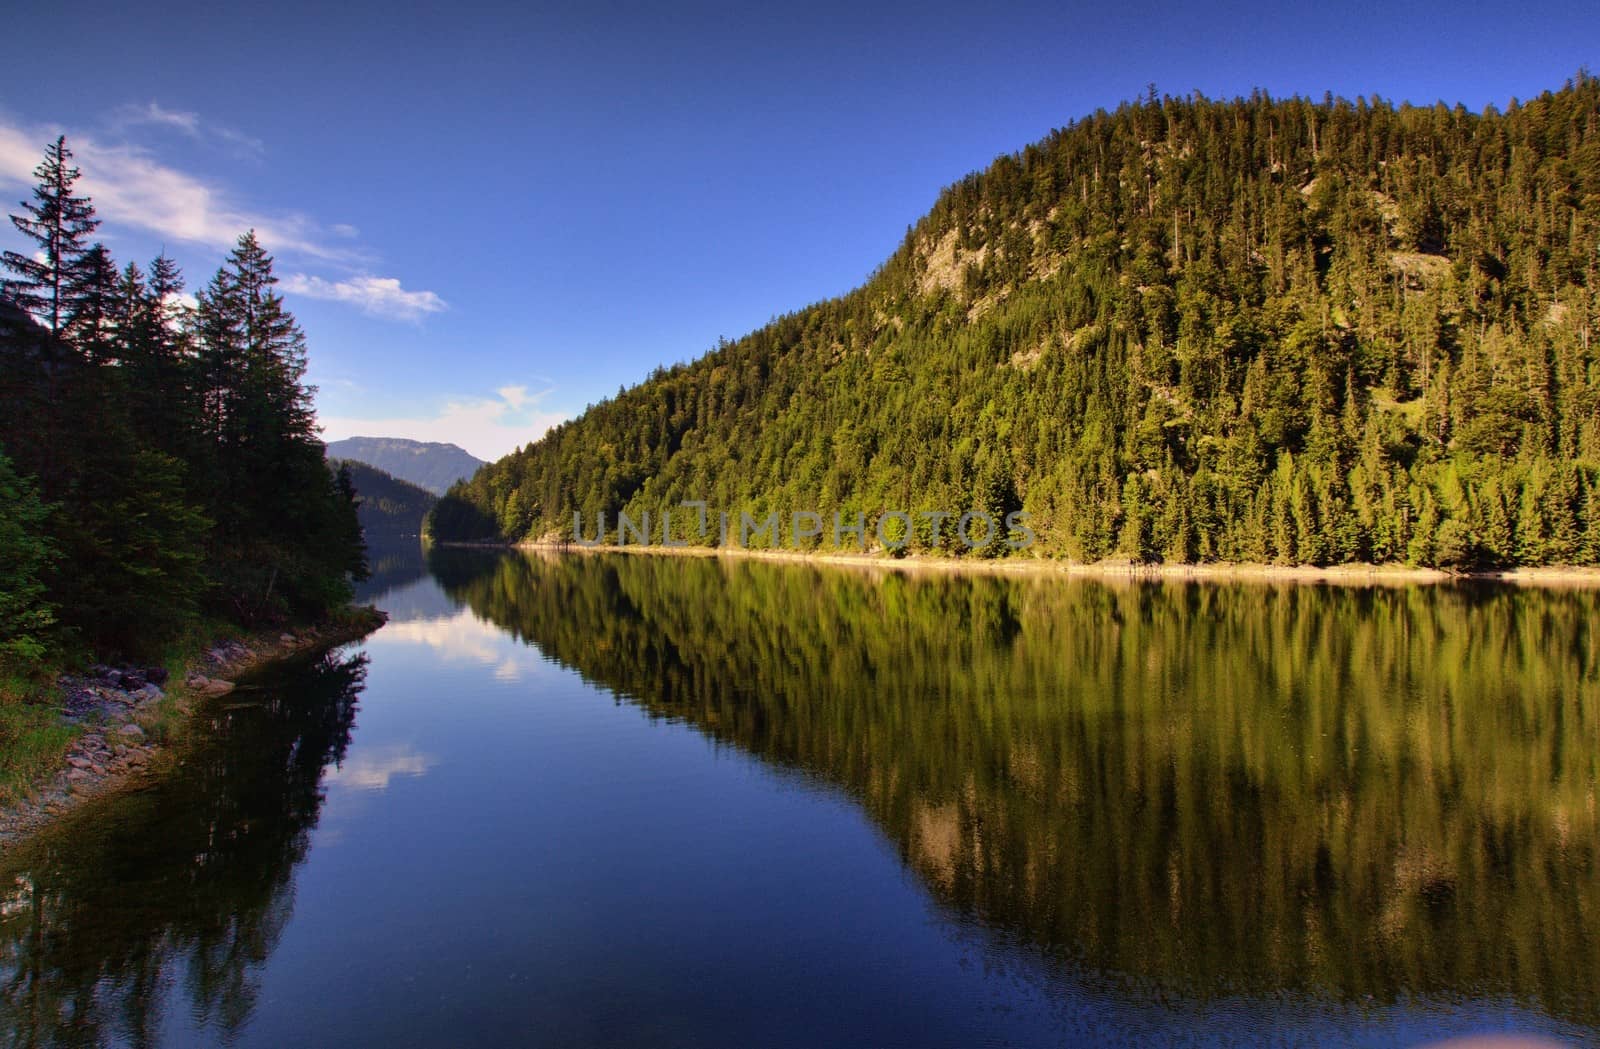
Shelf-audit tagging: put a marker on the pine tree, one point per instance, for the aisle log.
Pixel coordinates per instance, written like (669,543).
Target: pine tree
(93,304)
(155,347)
(59,222)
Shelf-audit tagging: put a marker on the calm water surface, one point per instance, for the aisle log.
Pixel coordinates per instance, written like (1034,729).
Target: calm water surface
(650,801)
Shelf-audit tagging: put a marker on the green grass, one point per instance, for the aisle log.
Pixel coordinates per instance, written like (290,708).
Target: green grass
(32,737)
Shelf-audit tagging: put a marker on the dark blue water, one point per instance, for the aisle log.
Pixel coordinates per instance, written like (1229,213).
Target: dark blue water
(577,802)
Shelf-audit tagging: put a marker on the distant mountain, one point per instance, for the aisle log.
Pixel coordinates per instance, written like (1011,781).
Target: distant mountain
(390,509)
(428,465)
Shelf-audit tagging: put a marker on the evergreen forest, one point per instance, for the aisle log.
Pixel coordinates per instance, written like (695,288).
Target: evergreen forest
(1190,330)
(160,468)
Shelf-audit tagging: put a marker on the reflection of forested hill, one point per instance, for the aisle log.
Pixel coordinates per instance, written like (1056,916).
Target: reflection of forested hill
(189,882)
(416,600)
(1222,788)
(391,563)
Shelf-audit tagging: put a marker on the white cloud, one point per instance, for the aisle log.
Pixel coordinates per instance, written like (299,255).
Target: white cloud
(375,296)
(488,427)
(130,187)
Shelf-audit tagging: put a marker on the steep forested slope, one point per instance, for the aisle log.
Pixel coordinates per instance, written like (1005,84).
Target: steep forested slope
(388,507)
(1251,330)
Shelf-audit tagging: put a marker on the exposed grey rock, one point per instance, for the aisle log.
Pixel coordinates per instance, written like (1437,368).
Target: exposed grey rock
(132,731)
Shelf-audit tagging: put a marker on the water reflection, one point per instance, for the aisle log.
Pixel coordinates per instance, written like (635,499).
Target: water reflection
(373,769)
(400,585)
(460,637)
(187,885)
(391,565)
(1214,790)
(1156,814)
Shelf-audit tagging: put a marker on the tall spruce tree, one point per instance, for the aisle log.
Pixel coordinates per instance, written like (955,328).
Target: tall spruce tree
(92,306)
(284,524)
(60,223)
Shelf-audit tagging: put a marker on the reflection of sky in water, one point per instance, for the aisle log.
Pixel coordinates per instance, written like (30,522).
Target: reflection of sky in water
(463,638)
(813,814)
(373,769)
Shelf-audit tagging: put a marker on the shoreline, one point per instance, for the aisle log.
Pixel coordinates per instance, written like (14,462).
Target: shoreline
(1123,571)
(115,752)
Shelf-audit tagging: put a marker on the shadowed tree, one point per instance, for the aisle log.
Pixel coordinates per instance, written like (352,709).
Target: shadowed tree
(59,222)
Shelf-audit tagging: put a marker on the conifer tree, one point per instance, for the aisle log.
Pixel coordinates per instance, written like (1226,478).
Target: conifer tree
(60,223)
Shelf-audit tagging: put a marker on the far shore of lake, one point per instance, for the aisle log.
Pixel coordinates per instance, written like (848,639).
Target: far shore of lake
(1110,570)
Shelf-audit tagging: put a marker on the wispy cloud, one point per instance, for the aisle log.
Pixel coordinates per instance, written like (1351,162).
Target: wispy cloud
(153,114)
(130,187)
(488,427)
(375,296)
(516,396)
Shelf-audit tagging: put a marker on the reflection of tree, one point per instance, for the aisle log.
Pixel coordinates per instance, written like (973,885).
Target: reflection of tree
(190,881)
(1219,787)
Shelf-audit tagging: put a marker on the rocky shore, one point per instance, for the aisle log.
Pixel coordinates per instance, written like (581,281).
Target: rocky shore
(127,716)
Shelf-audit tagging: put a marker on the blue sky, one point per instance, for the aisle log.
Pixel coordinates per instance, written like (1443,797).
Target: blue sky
(488,218)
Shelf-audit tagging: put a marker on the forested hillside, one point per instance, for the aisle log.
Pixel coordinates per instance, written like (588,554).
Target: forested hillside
(1188,330)
(387,507)
(426,464)
(159,464)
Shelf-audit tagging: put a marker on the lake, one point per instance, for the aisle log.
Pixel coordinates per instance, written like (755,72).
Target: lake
(613,800)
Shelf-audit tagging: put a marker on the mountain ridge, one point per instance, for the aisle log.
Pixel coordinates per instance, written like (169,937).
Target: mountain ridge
(431,465)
